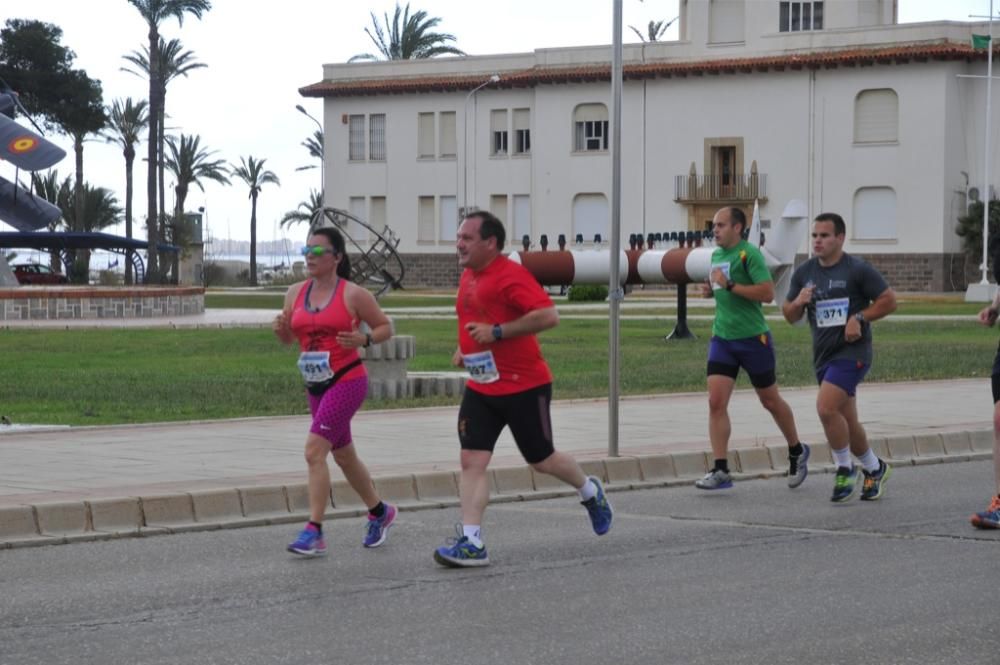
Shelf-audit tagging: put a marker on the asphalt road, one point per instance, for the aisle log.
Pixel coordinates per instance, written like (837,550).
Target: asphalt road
(758,574)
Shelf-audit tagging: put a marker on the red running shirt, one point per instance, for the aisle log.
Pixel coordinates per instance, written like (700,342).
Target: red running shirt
(317,331)
(501,292)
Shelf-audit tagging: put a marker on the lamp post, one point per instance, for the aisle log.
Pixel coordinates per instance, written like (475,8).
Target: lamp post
(322,159)
(465,140)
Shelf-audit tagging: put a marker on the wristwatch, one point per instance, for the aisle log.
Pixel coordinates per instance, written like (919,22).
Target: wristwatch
(859,317)
(730,284)
(369,340)
(497,332)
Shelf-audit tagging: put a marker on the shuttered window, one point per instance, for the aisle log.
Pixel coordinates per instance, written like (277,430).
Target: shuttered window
(446,128)
(876,116)
(498,132)
(425,219)
(590,127)
(522,131)
(425,135)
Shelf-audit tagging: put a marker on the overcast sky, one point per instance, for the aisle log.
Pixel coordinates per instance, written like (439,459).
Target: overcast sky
(259,54)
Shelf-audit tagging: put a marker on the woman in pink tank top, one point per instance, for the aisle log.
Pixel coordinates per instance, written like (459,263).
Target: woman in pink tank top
(323,315)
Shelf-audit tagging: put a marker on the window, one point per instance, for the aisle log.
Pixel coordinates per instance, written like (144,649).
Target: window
(425,135)
(590,127)
(356,142)
(498,206)
(425,220)
(799,16)
(876,116)
(591,216)
(522,131)
(376,217)
(498,125)
(376,138)
(522,218)
(446,126)
(448,216)
(875,214)
(356,206)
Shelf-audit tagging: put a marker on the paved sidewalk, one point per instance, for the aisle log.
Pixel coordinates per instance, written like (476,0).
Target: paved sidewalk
(85,463)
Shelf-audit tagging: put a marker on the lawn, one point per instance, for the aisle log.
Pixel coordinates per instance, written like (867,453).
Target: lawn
(90,377)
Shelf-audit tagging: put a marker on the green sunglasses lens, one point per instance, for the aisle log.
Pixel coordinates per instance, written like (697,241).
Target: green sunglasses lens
(315,250)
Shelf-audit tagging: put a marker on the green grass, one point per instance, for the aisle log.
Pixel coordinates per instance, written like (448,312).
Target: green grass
(90,377)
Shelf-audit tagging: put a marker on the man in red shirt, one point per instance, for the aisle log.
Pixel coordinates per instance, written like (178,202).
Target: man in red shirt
(500,309)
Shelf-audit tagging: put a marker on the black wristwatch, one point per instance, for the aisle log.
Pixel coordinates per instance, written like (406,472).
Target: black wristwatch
(730,284)
(497,332)
(369,340)
(860,317)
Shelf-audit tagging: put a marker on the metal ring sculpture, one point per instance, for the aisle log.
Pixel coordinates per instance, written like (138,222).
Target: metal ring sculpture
(379,263)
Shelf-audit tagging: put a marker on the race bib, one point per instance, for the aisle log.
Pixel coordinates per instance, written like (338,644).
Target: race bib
(724,267)
(831,313)
(315,366)
(481,366)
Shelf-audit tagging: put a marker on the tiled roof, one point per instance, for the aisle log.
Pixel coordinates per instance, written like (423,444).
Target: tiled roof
(526,78)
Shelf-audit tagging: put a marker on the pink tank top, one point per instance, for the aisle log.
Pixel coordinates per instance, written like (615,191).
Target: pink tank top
(317,330)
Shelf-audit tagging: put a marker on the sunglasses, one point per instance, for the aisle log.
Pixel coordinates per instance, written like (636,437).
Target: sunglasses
(316,250)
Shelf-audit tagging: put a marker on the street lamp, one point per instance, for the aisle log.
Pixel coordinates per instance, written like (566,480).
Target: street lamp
(322,159)
(465,140)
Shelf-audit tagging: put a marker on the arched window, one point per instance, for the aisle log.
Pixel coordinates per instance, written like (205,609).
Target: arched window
(590,128)
(591,216)
(875,214)
(876,116)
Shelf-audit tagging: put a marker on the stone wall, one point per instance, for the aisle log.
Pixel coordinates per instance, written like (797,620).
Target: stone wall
(89,302)
(923,273)
(434,271)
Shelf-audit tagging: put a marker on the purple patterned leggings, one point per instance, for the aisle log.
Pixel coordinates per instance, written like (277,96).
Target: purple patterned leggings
(333,411)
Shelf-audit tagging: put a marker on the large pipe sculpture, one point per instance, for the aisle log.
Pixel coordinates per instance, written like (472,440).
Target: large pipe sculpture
(677,265)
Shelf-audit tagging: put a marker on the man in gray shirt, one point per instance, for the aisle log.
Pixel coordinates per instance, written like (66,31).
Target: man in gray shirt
(842,295)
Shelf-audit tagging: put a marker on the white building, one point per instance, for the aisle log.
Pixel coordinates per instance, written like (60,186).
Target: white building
(829,102)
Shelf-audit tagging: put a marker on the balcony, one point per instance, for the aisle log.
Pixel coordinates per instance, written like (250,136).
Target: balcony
(720,189)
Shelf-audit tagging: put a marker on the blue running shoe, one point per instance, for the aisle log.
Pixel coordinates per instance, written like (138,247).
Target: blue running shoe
(989,518)
(599,509)
(845,483)
(874,485)
(460,553)
(309,543)
(377,529)
(798,467)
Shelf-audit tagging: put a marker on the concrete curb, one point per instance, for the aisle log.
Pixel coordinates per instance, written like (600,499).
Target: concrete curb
(203,510)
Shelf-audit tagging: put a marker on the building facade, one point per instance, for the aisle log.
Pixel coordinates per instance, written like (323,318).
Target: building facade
(830,103)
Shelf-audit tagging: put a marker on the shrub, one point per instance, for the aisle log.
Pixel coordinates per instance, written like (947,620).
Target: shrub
(587,293)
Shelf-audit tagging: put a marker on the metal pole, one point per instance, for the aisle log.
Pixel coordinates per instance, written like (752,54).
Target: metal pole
(614,286)
(985,196)
(322,160)
(465,141)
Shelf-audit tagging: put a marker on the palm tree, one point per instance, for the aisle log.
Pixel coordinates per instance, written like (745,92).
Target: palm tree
(174,62)
(84,209)
(408,39)
(128,120)
(655,30)
(314,144)
(154,12)
(252,172)
(304,211)
(191,164)
(58,193)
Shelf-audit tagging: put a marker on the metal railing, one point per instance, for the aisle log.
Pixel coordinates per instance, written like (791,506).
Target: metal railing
(714,188)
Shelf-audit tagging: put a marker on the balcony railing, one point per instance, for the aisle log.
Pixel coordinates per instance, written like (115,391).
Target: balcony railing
(720,189)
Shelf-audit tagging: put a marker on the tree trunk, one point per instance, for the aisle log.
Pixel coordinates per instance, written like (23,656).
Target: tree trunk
(129,162)
(152,223)
(253,239)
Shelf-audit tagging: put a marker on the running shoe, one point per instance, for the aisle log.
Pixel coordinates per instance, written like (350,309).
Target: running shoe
(377,529)
(599,509)
(798,468)
(716,479)
(460,553)
(309,543)
(845,483)
(874,485)
(989,518)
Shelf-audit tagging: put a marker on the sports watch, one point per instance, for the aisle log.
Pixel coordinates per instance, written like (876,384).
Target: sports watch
(497,331)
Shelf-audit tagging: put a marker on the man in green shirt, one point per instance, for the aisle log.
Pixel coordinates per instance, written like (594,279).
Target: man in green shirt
(740,282)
